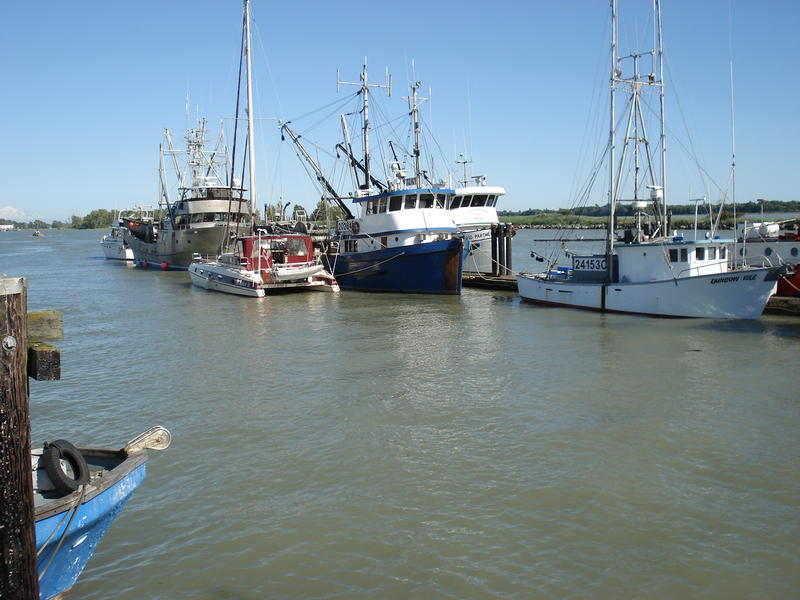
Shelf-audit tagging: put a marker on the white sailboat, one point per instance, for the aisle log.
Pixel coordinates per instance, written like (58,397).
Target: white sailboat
(649,271)
(267,261)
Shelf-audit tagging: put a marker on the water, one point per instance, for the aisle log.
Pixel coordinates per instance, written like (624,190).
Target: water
(391,446)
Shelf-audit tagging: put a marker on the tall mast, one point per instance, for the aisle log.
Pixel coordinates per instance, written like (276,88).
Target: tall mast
(660,76)
(415,120)
(250,137)
(365,85)
(611,138)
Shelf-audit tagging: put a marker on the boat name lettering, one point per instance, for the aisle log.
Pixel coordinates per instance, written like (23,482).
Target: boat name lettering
(725,279)
(589,263)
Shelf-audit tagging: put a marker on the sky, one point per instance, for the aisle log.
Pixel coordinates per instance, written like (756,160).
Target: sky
(516,87)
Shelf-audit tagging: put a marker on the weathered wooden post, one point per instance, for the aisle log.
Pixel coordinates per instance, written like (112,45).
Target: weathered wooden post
(495,270)
(501,249)
(508,236)
(18,573)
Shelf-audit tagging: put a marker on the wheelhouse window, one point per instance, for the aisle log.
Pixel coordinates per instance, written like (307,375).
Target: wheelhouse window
(439,200)
(700,254)
(395,203)
(712,253)
(673,255)
(722,252)
(684,254)
(410,201)
(382,205)
(426,200)
(479,200)
(455,202)
(491,201)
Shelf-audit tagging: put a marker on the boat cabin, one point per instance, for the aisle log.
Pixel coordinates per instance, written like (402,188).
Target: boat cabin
(398,218)
(263,252)
(652,261)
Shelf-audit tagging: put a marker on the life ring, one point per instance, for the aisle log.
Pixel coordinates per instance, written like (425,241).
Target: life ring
(53,454)
(355,227)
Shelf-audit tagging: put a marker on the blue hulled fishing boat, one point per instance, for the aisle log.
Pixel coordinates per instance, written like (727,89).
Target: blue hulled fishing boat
(404,239)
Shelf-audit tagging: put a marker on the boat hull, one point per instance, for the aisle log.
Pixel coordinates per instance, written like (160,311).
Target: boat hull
(61,562)
(175,249)
(429,268)
(116,250)
(241,282)
(732,295)
(479,254)
(221,278)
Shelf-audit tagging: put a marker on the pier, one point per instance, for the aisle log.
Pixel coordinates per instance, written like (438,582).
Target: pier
(23,354)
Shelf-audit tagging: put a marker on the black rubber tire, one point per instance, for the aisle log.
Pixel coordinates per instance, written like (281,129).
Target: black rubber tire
(53,453)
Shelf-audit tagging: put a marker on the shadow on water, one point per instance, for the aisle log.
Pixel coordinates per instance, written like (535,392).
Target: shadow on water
(778,327)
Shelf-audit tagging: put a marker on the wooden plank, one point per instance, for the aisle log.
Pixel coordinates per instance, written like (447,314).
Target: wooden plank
(18,573)
(44,362)
(45,326)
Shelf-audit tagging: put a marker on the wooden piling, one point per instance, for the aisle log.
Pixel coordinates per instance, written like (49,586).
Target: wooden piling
(18,572)
(495,270)
(508,235)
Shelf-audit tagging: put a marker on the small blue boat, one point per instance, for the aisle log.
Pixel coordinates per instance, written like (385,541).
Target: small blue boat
(78,492)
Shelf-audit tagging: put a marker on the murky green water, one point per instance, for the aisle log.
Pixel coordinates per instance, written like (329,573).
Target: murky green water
(390,446)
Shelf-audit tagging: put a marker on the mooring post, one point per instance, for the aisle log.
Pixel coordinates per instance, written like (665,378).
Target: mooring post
(501,249)
(495,270)
(508,236)
(18,572)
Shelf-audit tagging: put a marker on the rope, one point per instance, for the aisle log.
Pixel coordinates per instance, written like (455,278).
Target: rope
(371,266)
(74,510)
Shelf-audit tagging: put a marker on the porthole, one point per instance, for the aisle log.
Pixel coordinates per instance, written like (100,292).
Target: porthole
(768,252)
(794,251)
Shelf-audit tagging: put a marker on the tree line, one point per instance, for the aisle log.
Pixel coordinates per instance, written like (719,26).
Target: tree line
(626,210)
(102,218)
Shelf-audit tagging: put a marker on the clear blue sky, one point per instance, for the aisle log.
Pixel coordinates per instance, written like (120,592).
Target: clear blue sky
(88,87)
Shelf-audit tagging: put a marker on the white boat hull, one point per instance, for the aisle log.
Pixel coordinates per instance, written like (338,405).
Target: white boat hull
(222,278)
(732,295)
(115,249)
(242,282)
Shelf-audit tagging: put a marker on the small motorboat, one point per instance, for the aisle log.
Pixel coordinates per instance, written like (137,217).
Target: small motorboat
(78,492)
(262,264)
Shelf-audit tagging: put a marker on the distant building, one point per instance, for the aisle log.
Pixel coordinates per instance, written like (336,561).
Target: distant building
(7,227)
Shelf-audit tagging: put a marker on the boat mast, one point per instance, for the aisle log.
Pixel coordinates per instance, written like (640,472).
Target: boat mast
(365,85)
(615,72)
(250,136)
(663,133)
(415,120)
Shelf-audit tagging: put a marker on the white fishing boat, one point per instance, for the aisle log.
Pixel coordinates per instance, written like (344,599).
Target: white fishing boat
(113,243)
(649,271)
(473,210)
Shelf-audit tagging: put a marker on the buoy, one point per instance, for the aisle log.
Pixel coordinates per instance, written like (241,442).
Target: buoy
(145,264)
(164,265)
